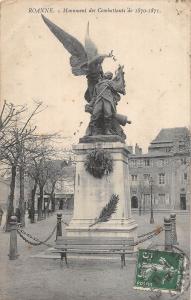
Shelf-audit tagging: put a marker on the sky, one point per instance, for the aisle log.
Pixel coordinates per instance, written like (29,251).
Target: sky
(154,49)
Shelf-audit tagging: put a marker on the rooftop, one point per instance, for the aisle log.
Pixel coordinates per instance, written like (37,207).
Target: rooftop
(167,135)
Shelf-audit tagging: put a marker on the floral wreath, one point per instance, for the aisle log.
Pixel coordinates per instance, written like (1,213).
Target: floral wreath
(99,163)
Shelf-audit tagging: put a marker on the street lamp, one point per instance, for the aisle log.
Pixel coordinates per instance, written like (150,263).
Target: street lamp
(151,185)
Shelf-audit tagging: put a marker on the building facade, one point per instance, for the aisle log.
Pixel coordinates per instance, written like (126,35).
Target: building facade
(163,174)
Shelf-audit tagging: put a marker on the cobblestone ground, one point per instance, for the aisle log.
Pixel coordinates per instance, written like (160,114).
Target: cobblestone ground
(32,278)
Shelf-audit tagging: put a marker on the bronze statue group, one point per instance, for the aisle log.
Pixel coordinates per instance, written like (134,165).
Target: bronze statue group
(104,89)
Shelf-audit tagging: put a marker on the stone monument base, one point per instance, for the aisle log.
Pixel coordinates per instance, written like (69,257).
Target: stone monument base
(93,194)
(112,228)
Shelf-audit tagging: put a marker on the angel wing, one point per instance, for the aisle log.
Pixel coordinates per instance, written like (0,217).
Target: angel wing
(84,60)
(92,52)
(79,58)
(90,47)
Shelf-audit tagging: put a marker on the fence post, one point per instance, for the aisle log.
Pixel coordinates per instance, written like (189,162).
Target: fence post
(59,225)
(174,234)
(13,254)
(168,234)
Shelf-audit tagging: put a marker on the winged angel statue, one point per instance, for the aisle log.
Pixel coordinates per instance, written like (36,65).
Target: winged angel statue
(103,91)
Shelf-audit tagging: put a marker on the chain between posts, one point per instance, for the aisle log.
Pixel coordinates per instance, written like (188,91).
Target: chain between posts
(23,235)
(151,232)
(65,223)
(27,241)
(154,233)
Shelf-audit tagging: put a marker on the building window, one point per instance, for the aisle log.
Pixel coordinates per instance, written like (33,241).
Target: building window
(134,177)
(156,201)
(147,200)
(166,162)
(167,200)
(183,201)
(133,163)
(185,176)
(168,149)
(182,147)
(147,162)
(139,163)
(161,199)
(161,178)
(146,177)
(161,162)
(183,161)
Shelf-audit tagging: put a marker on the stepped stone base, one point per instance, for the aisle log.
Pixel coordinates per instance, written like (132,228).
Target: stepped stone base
(113,228)
(92,194)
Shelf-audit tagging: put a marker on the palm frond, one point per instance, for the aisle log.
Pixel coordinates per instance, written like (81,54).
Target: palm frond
(108,210)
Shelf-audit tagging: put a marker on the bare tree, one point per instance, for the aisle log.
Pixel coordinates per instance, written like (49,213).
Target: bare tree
(13,153)
(32,173)
(38,170)
(55,170)
(9,114)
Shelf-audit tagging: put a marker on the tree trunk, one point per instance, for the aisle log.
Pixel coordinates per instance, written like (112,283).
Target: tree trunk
(52,203)
(47,207)
(32,207)
(40,202)
(51,199)
(10,206)
(22,196)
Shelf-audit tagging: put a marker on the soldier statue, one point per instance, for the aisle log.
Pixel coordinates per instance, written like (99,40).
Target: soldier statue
(103,91)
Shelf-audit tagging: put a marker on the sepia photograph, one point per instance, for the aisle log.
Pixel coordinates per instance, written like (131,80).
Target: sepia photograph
(95,149)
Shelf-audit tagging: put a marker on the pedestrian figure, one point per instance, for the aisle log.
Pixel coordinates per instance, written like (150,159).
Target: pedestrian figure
(1,214)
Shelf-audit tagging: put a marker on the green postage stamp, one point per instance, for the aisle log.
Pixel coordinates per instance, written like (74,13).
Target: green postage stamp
(159,270)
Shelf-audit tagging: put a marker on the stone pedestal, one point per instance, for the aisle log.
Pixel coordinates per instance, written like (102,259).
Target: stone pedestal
(92,194)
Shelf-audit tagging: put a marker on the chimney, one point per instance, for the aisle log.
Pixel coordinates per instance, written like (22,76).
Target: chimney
(138,150)
(130,149)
